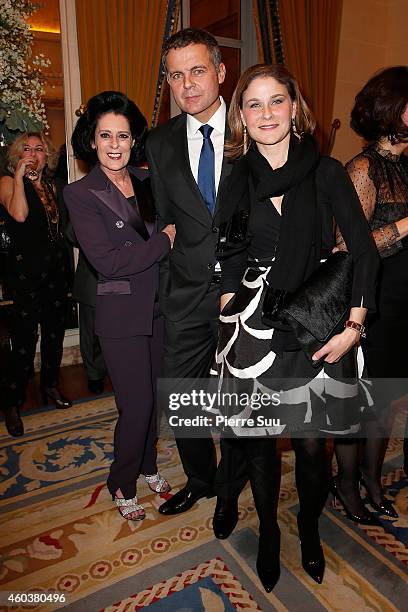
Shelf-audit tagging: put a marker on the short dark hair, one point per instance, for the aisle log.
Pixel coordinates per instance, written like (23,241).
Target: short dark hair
(108,102)
(379,105)
(193,36)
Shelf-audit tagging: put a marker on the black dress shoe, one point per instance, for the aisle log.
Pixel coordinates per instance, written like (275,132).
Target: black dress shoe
(52,395)
(267,563)
(96,385)
(384,507)
(184,500)
(313,561)
(367,518)
(13,421)
(225,517)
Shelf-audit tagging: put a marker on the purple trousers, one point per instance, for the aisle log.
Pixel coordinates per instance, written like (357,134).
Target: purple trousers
(134,365)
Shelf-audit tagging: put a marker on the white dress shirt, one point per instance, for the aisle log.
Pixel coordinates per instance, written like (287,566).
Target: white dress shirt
(195,141)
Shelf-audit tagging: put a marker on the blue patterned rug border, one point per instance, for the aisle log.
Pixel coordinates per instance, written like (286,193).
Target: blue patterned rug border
(166,569)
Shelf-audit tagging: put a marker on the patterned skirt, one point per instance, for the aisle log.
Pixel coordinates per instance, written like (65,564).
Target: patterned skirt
(264,393)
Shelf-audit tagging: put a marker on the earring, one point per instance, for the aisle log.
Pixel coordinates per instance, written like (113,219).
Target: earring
(294,130)
(245,139)
(392,138)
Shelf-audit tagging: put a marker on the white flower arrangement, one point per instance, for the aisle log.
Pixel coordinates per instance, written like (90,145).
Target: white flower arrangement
(21,78)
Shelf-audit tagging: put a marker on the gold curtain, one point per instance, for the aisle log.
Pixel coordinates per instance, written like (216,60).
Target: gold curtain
(120,44)
(311,32)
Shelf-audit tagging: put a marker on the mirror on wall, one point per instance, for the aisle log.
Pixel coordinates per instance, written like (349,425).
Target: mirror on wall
(46,29)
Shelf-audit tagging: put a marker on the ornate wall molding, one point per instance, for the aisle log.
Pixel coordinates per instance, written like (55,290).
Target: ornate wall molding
(269,37)
(173,11)
(72,81)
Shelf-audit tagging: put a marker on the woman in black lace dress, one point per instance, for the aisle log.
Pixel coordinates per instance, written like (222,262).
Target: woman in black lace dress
(380,176)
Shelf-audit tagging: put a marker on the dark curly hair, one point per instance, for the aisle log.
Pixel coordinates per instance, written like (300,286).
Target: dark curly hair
(380,104)
(108,102)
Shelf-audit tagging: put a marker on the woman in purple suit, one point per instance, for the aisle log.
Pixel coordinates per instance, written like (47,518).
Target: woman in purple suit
(113,216)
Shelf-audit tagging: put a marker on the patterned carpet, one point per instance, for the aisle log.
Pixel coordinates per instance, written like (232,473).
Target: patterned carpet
(60,532)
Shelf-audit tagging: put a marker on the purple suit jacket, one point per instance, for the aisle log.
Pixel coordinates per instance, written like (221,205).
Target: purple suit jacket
(127,264)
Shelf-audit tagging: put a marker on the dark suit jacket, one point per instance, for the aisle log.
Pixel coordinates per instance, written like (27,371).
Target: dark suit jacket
(186,275)
(127,265)
(86,277)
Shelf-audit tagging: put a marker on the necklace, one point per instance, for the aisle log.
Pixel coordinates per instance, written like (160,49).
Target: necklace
(46,194)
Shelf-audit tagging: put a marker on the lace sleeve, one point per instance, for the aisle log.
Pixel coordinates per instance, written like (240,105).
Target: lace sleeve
(386,237)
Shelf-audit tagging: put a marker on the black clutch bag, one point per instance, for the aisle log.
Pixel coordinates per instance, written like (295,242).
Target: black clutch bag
(318,309)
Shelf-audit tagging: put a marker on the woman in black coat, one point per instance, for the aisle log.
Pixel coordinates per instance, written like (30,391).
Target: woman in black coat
(290,194)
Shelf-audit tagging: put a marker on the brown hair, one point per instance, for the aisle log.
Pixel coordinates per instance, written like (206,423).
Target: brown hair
(16,149)
(304,120)
(379,105)
(193,36)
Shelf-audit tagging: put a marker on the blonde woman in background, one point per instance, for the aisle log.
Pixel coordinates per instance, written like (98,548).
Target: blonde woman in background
(37,272)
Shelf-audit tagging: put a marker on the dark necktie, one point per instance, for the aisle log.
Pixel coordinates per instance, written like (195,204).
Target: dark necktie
(206,169)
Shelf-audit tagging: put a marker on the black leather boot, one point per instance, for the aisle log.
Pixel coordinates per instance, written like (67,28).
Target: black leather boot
(267,563)
(312,553)
(225,517)
(260,455)
(14,422)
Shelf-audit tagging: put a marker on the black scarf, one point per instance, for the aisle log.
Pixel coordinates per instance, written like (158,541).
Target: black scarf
(298,251)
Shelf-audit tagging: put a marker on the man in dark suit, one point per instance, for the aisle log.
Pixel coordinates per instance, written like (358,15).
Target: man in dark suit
(189,176)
